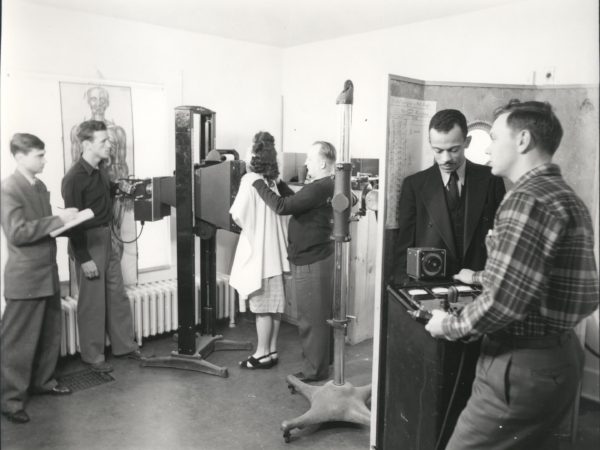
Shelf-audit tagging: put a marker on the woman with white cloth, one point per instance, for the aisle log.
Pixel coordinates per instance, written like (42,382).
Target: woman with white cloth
(261,256)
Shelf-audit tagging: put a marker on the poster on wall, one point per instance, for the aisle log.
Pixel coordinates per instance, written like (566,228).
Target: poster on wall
(111,105)
(408,129)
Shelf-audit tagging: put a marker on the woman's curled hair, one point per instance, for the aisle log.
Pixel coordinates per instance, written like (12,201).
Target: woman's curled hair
(264,156)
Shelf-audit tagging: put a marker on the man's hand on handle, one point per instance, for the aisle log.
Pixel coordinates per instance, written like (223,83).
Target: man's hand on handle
(434,326)
(125,187)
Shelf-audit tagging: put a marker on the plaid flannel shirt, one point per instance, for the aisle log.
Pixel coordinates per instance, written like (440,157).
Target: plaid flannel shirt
(540,277)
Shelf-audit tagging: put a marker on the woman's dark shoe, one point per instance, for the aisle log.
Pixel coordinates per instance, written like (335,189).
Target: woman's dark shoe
(274,357)
(264,362)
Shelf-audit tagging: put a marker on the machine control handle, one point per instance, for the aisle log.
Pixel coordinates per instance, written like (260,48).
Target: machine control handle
(451,298)
(420,315)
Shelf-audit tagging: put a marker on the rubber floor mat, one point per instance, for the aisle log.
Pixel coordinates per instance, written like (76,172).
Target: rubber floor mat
(84,379)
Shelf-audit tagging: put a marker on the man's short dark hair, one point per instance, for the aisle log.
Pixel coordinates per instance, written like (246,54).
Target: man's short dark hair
(536,117)
(445,120)
(24,143)
(327,151)
(86,130)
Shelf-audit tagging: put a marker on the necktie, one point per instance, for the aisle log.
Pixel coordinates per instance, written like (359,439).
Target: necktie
(453,196)
(38,186)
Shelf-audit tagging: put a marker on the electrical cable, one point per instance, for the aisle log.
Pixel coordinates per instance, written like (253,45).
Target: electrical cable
(112,228)
(451,401)
(112,225)
(591,350)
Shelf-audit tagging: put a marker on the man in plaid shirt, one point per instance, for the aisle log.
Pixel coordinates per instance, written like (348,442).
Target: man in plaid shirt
(540,280)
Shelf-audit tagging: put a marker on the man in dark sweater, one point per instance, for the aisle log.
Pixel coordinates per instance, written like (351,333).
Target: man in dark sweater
(102,305)
(310,252)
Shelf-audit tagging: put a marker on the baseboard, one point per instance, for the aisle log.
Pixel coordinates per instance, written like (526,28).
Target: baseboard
(590,385)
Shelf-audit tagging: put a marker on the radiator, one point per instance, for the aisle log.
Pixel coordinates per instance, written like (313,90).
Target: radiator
(69,344)
(153,308)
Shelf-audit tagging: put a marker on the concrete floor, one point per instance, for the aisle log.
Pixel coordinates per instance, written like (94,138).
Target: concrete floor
(588,428)
(154,408)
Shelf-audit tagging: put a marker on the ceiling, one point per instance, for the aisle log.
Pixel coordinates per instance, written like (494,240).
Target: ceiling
(281,23)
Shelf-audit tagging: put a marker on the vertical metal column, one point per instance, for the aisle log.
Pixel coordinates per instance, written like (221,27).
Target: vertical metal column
(191,348)
(184,193)
(336,400)
(208,236)
(208,286)
(341,204)
(207,131)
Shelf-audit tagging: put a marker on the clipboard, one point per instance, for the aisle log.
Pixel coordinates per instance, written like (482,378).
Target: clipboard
(82,216)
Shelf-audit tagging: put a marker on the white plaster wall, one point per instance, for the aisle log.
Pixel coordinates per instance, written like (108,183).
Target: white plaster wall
(238,80)
(505,44)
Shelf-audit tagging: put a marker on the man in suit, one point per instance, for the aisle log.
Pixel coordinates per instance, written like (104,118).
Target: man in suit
(450,205)
(31,328)
(102,305)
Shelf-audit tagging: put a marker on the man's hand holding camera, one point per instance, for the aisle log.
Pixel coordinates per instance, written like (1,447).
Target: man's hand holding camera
(125,187)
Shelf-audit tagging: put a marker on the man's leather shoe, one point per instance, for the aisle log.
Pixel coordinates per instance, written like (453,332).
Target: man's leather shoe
(56,390)
(17,416)
(136,355)
(101,367)
(59,390)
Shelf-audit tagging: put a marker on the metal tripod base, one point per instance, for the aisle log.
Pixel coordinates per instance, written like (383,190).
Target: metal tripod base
(196,362)
(329,403)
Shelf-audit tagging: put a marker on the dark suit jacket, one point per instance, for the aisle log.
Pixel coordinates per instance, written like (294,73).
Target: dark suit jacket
(27,220)
(425,222)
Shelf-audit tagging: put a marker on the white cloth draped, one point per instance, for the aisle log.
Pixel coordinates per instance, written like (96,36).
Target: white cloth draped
(262,247)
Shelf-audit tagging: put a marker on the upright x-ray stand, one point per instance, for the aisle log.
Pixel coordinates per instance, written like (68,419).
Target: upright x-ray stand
(191,123)
(336,400)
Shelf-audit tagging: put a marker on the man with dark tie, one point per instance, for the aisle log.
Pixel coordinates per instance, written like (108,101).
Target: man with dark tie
(450,205)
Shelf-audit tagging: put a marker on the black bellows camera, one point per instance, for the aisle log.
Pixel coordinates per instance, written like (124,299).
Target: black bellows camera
(423,263)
